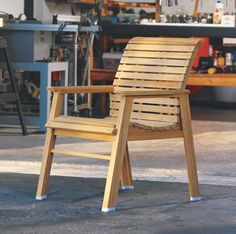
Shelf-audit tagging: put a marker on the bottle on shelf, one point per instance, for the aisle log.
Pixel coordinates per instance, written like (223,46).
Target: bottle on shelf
(234,58)
(210,50)
(221,59)
(228,59)
(215,57)
(209,18)
(218,12)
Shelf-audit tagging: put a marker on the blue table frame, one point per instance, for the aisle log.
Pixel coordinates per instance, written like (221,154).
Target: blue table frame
(45,70)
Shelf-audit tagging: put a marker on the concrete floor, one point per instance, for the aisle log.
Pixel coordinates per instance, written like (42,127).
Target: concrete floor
(155,206)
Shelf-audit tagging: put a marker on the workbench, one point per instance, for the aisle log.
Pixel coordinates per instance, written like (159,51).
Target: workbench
(179,30)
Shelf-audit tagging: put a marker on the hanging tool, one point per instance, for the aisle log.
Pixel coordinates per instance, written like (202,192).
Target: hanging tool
(196,6)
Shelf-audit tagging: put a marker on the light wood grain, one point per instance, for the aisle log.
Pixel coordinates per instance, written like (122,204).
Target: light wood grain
(148,84)
(126,177)
(149,76)
(155,61)
(147,101)
(82,89)
(152,69)
(117,154)
(165,40)
(157,54)
(49,145)
(84,135)
(149,108)
(189,147)
(82,127)
(81,154)
(159,47)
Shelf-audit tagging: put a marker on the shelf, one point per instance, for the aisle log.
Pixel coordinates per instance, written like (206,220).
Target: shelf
(212,80)
(87,2)
(194,79)
(132,30)
(130,5)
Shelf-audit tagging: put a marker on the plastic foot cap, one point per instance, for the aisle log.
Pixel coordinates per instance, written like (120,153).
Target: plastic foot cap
(108,209)
(40,198)
(197,198)
(127,187)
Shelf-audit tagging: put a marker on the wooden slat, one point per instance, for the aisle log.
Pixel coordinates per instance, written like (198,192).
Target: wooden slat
(147,116)
(84,128)
(81,154)
(164,40)
(152,92)
(161,101)
(150,54)
(149,76)
(149,108)
(152,69)
(158,62)
(154,125)
(138,134)
(155,117)
(84,135)
(153,47)
(82,89)
(148,84)
(87,121)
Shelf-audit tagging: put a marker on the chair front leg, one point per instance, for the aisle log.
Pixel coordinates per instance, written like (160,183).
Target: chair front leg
(117,155)
(46,165)
(189,148)
(49,145)
(126,177)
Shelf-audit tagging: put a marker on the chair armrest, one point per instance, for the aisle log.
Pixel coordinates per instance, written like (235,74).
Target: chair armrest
(82,89)
(151,93)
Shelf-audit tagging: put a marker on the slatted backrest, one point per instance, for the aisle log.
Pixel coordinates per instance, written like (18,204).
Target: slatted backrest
(154,63)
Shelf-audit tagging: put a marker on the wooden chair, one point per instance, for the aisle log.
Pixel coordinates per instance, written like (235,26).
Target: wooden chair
(148,101)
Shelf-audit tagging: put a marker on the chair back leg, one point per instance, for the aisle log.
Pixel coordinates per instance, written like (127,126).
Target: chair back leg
(189,148)
(126,177)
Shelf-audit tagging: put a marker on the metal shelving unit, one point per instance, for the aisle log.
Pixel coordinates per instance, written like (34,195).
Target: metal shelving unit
(151,4)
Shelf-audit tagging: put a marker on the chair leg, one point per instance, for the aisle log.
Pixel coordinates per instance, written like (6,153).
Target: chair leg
(117,155)
(126,177)
(113,177)
(189,150)
(46,165)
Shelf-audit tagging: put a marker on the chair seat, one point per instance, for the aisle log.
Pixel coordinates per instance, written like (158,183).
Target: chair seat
(149,124)
(106,125)
(83,124)
(154,125)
